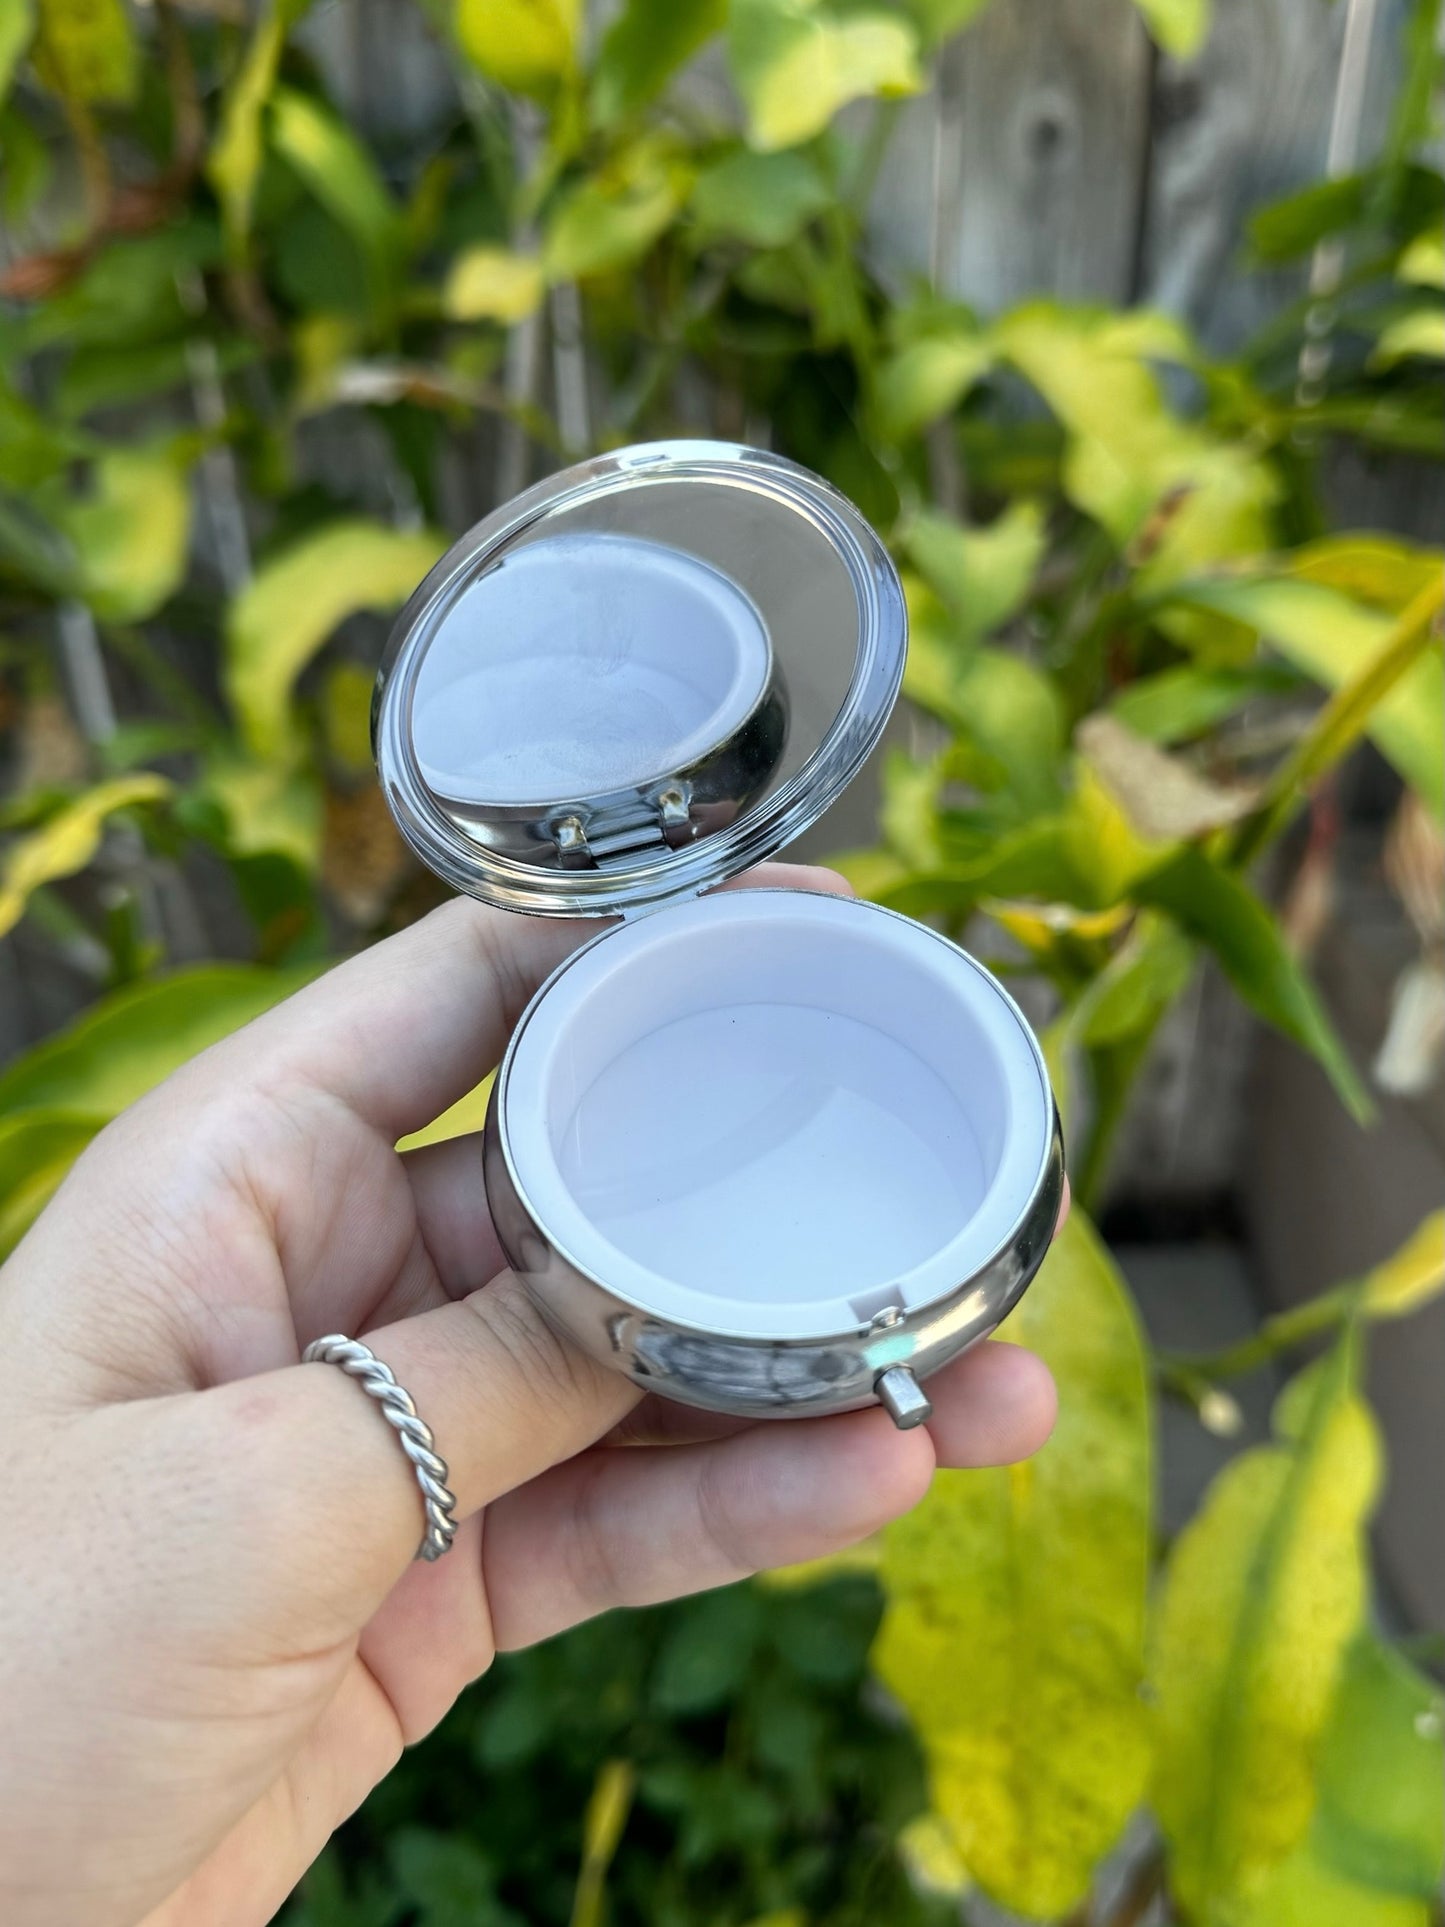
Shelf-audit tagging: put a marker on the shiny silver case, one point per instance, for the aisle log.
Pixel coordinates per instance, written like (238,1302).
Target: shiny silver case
(880,1362)
(738,819)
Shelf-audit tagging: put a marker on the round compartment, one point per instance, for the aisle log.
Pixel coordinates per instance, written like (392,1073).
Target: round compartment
(611,663)
(776,1115)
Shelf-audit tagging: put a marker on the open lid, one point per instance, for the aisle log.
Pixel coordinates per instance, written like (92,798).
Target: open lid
(638,678)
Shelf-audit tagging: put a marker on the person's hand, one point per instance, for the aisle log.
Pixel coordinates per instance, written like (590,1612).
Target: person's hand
(213,1640)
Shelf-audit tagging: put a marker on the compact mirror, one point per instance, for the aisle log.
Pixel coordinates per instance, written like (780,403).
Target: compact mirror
(637,679)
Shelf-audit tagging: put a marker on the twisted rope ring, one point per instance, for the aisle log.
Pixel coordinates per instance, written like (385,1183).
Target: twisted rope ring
(378,1381)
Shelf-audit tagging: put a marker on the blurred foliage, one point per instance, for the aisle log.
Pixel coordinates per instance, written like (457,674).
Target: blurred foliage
(253,361)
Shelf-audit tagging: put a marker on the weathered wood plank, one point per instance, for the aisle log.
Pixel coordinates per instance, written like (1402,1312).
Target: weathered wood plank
(1036,133)
(1244,123)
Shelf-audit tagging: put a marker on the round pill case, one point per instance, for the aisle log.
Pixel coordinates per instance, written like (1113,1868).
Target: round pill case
(768,1152)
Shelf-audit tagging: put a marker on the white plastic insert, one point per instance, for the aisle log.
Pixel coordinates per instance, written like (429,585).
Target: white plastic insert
(583,664)
(774,1113)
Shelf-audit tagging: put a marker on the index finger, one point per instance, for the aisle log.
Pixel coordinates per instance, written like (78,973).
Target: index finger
(402,1031)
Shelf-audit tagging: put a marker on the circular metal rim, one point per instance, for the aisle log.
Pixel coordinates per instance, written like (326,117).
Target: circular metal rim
(760,830)
(917,1315)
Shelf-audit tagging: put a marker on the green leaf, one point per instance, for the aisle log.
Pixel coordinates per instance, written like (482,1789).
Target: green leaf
(131,532)
(644,47)
(37,1148)
(611,220)
(127,1042)
(1012,713)
(1170,491)
(796,62)
(1179,704)
(1137,985)
(1290,227)
(1373,1855)
(983,574)
(706,1654)
(1221,913)
(269,806)
(343,177)
(296,600)
(1332,637)
(527,46)
(939,20)
(85,50)
(233,166)
(17,27)
(1014,1630)
(67,841)
(493,284)
(928,378)
(448,1878)
(1420,333)
(1178,26)
(764,199)
(1263,1593)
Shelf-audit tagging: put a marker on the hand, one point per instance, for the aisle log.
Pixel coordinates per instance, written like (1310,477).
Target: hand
(213,1640)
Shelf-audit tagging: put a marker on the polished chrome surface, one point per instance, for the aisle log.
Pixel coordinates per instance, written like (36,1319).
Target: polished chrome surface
(764,1378)
(791,549)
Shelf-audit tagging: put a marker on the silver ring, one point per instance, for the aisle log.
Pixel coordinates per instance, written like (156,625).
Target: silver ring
(358,1361)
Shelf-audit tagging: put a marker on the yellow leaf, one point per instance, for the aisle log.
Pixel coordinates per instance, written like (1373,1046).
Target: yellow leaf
(1262,1595)
(1413,1276)
(1423,262)
(526,46)
(234,164)
(1171,490)
(1179,26)
(131,532)
(493,284)
(1421,333)
(295,601)
(85,49)
(271,807)
(68,840)
(467,1115)
(1014,1629)
(796,63)
(1102,844)
(17,25)
(602,1825)
(926,1847)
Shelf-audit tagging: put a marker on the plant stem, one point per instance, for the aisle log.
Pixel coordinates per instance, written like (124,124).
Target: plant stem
(1281,1333)
(1341,722)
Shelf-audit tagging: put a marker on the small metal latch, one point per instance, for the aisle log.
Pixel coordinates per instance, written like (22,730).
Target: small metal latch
(572,847)
(902,1397)
(675,814)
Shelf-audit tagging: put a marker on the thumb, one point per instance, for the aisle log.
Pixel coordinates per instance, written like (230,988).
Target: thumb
(332,1508)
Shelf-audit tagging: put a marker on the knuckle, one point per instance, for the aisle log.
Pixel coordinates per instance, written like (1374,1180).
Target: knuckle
(551,1370)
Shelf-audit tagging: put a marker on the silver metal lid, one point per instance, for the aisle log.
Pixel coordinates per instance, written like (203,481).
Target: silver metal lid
(638,678)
